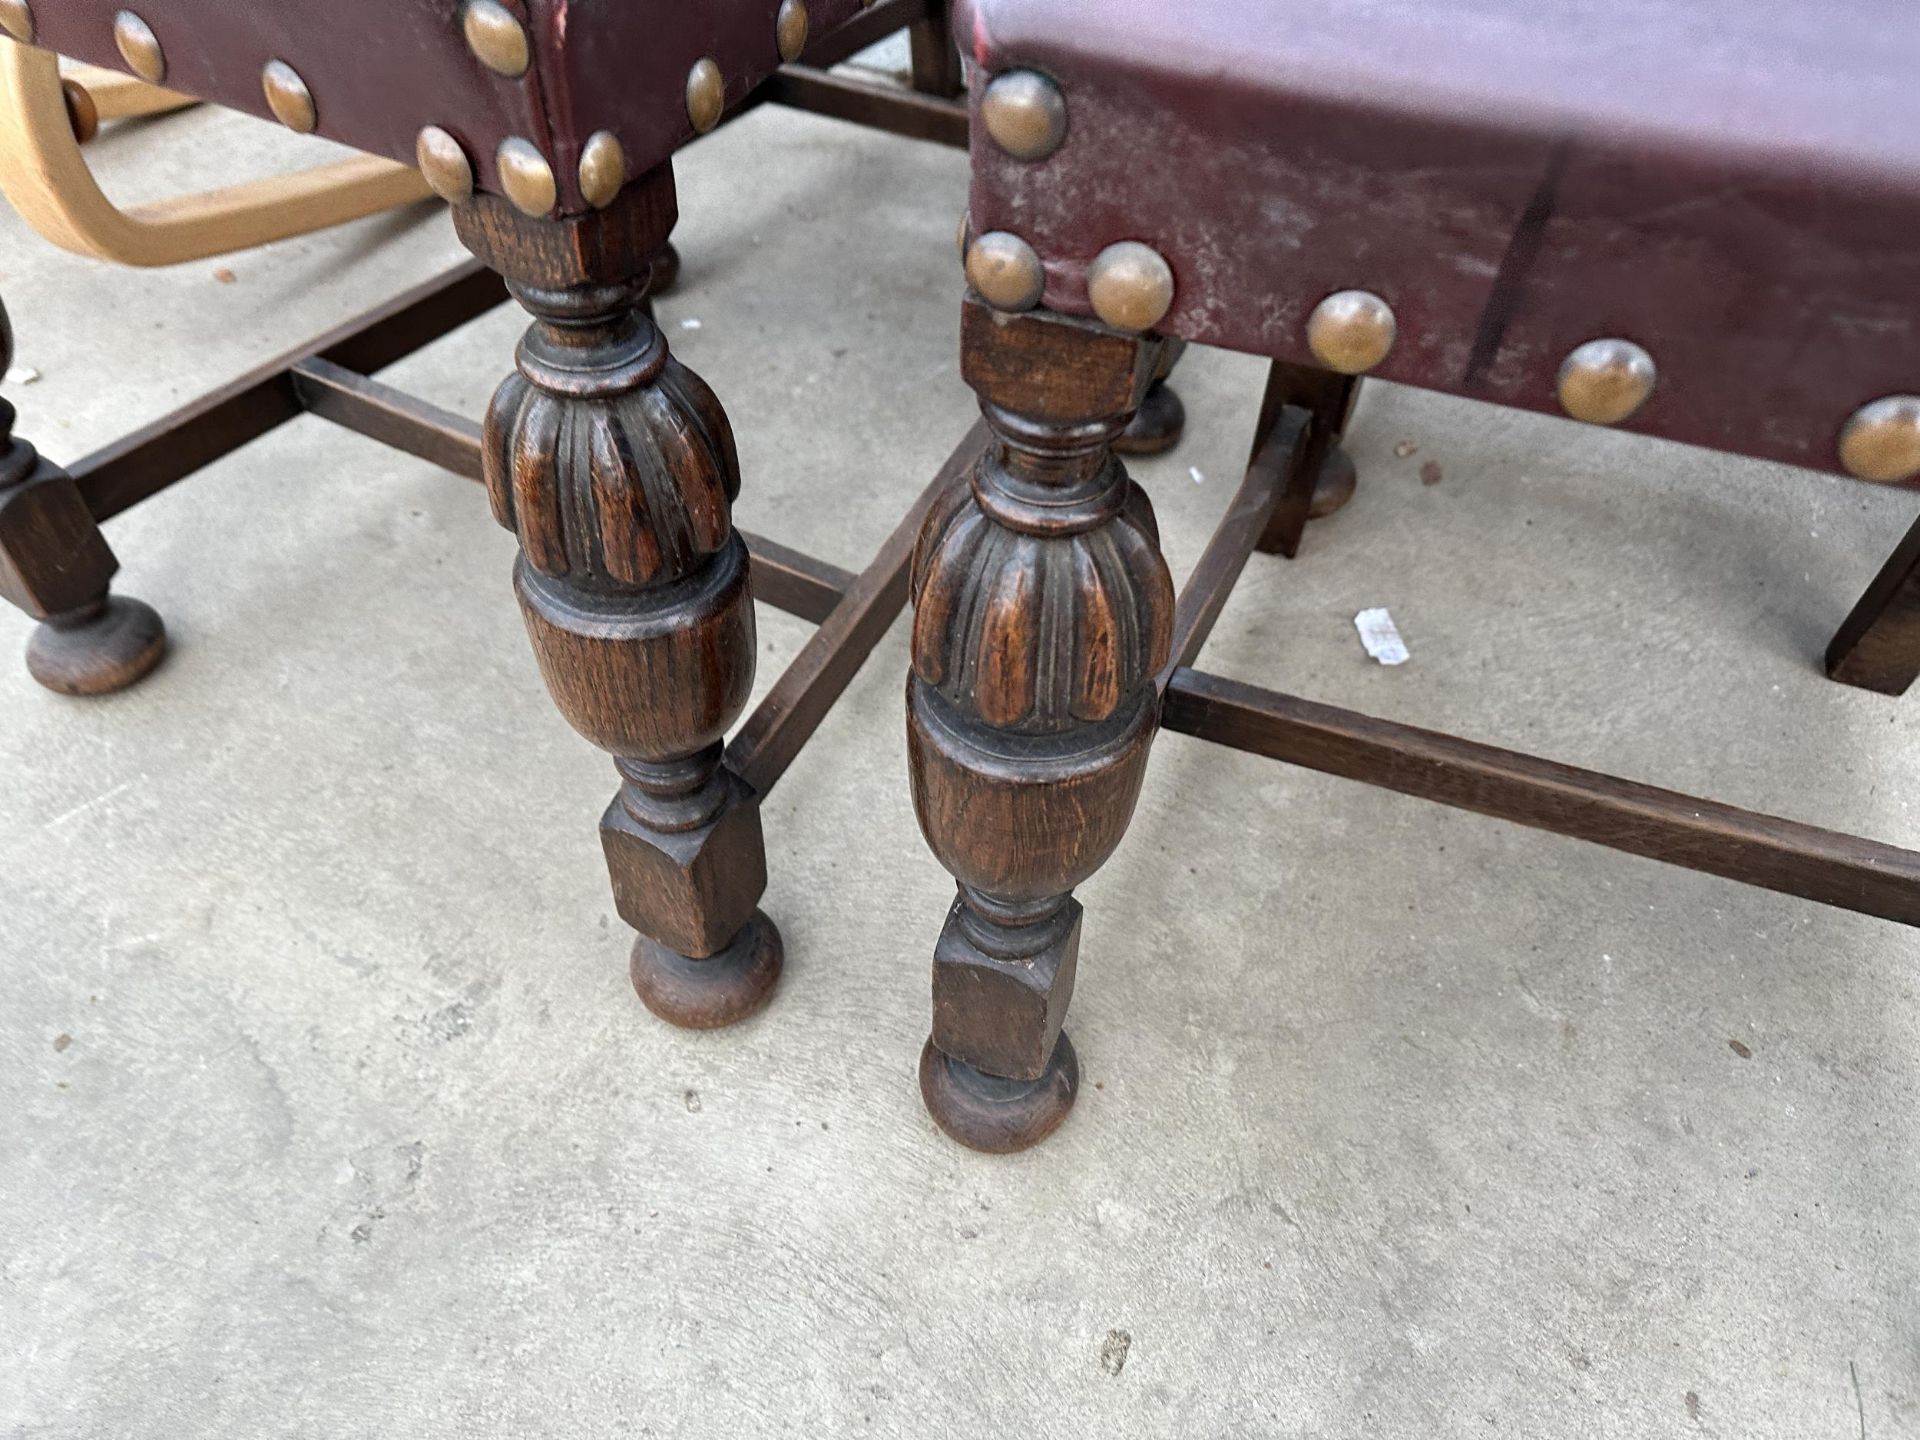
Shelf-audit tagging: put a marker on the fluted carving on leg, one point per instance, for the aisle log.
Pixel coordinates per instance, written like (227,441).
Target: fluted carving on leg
(614,465)
(1043,612)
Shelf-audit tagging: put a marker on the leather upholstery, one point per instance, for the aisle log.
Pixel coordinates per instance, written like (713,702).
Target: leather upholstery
(380,70)
(1734,186)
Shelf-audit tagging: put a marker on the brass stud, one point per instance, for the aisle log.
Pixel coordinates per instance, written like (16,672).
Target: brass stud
(1351,331)
(288,97)
(448,170)
(496,37)
(1025,113)
(1130,285)
(791,29)
(1604,381)
(1006,270)
(706,95)
(16,19)
(603,169)
(139,47)
(1881,441)
(526,177)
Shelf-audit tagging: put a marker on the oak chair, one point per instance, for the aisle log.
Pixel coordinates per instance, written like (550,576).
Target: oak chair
(550,131)
(1692,221)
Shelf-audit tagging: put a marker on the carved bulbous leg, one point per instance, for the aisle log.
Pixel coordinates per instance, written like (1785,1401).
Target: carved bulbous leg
(615,467)
(1043,611)
(56,566)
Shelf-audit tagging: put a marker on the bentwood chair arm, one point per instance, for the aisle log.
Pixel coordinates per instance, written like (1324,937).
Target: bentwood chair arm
(45,176)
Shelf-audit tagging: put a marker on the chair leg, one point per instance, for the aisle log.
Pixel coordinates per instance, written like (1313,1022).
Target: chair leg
(1160,421)
(615,467)
(1043,611)
(665,272)
(56,565)
(1324,479)
(1878,648)
(936,58)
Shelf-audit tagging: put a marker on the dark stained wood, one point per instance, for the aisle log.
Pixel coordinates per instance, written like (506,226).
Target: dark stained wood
(1878,648)
(1320,482)
(1056,373)
(870,103)
(569,253)
(664,273)
(633,584)
(1248,514)
(1000,1117)
(98,649)
(930,111)
(393,417)
(155,456)
(773,735)
(57,567)
(782,576)
(935,57)
(1158,425)
(1774,854)
(869,27)
(718,991)
(1043,613)
(798,584)
(1161,420)
(147,461)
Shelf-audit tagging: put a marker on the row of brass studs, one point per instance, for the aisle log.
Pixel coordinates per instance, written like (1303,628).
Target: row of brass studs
(497,40)
(1130,286)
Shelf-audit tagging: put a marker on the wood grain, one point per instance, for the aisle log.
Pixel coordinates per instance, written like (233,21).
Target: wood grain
(1761,850)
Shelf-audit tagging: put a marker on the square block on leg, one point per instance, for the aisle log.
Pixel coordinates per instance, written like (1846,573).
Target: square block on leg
(690,891)
(53,558)
(1003,1015)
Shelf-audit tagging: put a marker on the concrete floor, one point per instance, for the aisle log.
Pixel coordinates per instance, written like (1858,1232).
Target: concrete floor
(326,1109)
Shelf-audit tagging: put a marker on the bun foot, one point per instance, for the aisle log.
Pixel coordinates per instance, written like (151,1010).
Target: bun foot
(100,651)
(717,991)
(1157,425)
(666,272)
(999,1116)
(1333,487)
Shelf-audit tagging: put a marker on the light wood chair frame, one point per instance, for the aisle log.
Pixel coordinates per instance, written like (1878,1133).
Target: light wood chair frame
(47,179)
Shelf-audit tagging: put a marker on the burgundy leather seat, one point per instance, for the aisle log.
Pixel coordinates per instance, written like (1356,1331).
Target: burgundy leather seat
(380,71)
(1733,186)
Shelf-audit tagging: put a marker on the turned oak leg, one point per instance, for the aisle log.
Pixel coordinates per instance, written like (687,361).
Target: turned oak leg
(614,465)
(55,565)
(1324,478)
(1878,648)
(1156,427)
(1043,610)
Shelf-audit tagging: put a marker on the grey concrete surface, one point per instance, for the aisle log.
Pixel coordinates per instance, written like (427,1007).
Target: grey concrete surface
(326,1109)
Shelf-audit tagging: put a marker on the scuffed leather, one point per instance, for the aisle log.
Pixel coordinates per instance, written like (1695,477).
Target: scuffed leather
(379,70)
(1735,186)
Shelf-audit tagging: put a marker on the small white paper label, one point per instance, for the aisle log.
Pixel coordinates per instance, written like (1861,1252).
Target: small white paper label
(1381,637)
